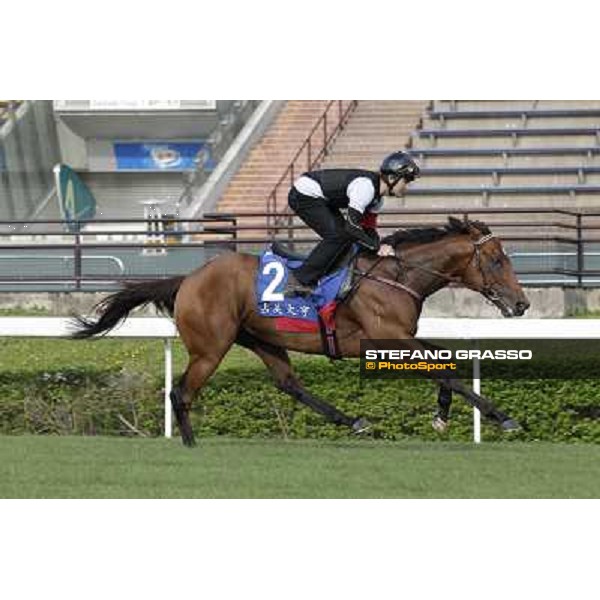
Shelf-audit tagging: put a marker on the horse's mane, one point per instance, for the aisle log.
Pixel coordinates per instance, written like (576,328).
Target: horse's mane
(424,235)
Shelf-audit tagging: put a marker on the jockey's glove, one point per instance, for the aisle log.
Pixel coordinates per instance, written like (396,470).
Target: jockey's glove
(376,242)
(367,238)
(355,217)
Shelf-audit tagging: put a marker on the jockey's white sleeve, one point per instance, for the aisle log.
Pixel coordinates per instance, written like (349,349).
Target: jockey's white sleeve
(309,187)
(360,192)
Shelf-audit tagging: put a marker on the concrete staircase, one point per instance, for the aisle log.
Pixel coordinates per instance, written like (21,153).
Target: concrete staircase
(266,163)
(376,128)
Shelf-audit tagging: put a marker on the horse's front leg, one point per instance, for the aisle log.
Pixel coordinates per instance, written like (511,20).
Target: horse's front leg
(483,404)
(449,385)
(441,419)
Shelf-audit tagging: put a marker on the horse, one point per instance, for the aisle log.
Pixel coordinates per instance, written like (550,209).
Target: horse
(214,307)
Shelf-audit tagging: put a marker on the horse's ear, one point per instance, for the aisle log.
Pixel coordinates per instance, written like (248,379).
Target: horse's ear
(466,221)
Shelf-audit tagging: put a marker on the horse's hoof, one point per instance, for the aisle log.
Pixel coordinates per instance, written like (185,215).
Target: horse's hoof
(439,424)
(510,425)
(188,440)
(361,426)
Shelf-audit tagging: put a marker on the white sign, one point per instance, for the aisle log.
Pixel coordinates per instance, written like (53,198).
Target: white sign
(101,105)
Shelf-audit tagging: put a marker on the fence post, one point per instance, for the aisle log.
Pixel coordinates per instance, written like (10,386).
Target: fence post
(273,208)
(477,390)
(580,255)
(235,233)
(168,383)
(77,270)
(290,223)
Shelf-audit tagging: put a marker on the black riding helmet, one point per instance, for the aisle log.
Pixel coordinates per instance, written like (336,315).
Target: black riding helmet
(397,166)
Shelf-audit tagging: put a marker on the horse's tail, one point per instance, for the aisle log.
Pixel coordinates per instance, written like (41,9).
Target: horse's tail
(116,307)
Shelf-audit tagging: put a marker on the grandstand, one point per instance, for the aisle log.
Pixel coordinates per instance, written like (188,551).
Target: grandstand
(140,159)
(294,140)
(508,153)
(522,155)
(270,156)
(473,153)
(241,157)
(376,128)
(127,152)
(132,152)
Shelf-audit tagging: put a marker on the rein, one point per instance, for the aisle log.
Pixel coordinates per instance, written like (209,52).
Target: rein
(486,290)
(390,282)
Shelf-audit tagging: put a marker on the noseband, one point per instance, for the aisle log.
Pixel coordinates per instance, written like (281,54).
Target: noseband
(487,290)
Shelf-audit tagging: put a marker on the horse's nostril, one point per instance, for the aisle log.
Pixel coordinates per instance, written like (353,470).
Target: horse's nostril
(521,307)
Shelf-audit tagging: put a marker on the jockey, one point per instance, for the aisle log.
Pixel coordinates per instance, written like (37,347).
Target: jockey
(317,196)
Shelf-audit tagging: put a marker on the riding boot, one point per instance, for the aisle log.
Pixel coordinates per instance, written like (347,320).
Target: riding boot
(320,261)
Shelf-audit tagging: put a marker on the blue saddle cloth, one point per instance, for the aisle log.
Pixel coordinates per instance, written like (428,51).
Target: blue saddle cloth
(271,280)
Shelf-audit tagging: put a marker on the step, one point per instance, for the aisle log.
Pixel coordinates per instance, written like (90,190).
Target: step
(269,160)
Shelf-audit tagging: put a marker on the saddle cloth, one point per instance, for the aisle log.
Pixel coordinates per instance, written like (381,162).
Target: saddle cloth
(295,313)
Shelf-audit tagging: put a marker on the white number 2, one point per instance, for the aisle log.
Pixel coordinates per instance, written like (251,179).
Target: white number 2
(268,295)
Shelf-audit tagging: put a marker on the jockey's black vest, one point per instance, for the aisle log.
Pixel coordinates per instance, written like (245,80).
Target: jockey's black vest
(335,182)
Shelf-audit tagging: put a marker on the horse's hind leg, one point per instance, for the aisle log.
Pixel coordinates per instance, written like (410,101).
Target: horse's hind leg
(181,410)
(197,373)
(203,361)
(278,363)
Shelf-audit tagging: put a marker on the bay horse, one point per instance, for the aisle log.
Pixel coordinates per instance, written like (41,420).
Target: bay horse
(215,307)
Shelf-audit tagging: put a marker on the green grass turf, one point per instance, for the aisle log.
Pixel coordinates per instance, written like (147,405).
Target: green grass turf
(95,467)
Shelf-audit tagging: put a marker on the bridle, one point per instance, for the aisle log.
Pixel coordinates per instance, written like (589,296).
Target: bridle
(486,290)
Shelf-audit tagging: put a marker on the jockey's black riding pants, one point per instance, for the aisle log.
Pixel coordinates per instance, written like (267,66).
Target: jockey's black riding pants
(328,222)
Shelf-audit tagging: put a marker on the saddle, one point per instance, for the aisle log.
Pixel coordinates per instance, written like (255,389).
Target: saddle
(312,313)
(345,259)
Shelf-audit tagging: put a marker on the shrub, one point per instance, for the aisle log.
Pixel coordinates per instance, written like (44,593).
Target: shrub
(120,392)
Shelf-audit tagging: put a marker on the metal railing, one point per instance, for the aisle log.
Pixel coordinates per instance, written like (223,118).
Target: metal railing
(46,255)
(527,229)
(312,150)
(548,246)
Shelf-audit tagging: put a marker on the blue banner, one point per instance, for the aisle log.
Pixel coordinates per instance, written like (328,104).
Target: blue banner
(161,156)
